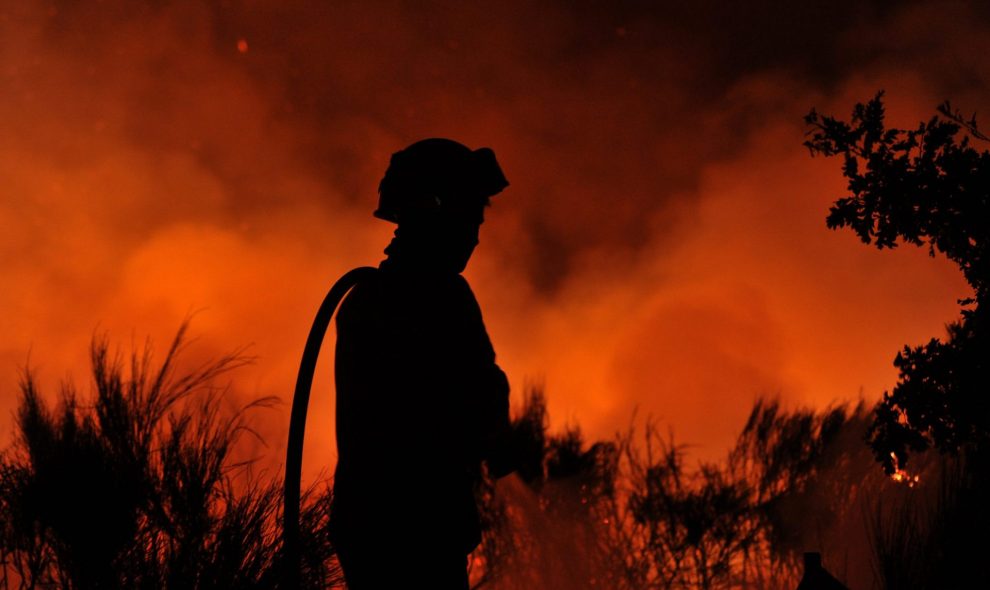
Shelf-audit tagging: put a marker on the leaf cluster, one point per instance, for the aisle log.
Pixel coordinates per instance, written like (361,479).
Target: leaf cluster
(924,186)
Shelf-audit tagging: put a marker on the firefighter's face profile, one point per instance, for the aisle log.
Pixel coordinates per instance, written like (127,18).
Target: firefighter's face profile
(459,232)
(447,231)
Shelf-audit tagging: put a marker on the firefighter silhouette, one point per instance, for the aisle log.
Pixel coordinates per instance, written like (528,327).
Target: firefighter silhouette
(420,400)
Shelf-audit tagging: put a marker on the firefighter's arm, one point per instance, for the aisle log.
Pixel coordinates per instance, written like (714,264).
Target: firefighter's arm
(496,444)
(488,391)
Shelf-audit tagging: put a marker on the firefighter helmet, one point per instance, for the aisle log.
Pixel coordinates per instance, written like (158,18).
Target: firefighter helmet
(438,174)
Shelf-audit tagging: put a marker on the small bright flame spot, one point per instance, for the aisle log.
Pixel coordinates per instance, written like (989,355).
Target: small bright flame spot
(902,476)
(242,45)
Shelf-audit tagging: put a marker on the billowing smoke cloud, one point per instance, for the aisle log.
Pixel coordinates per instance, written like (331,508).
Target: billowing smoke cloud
(662,244)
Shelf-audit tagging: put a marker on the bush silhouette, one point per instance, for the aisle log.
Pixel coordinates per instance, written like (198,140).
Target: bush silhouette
(634,513)
(138,487)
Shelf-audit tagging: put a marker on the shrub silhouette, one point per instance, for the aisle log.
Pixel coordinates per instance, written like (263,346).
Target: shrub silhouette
(632,513)
(138,487)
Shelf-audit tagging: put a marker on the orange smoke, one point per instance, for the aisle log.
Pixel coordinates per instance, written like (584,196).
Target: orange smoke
(662,244)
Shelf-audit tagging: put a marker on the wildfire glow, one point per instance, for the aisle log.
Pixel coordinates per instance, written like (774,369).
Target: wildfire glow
(662,245)
(902,476)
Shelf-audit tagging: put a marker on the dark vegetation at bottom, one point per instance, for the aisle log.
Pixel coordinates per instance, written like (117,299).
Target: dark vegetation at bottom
(634,513)
(138,487)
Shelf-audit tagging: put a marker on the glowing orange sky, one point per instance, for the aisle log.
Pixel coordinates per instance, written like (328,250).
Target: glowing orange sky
(662,245)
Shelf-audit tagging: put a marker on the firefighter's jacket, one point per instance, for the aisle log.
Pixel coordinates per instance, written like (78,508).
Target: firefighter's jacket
(420,403)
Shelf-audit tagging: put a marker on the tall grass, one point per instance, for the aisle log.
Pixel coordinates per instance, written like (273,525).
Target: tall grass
(934,535)
(136,486)
(634,514)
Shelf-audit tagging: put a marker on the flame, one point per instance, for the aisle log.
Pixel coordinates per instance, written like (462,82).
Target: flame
(902,476)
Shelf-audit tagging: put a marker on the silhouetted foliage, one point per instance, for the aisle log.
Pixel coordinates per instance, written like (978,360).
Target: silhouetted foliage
(529,438)
(690,524)
(543,529)
(138,488)
(923,186)
(745,521)
(633,514)
(800,462)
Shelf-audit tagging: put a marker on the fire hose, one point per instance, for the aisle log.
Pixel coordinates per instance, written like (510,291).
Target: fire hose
(297,421)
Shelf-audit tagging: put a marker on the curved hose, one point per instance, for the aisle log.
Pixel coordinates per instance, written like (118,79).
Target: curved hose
(297,421)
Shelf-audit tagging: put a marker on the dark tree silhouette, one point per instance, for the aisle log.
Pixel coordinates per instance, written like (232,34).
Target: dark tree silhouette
(137,487)
(928,187)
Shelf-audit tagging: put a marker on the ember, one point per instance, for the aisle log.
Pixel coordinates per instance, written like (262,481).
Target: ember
(902,476)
